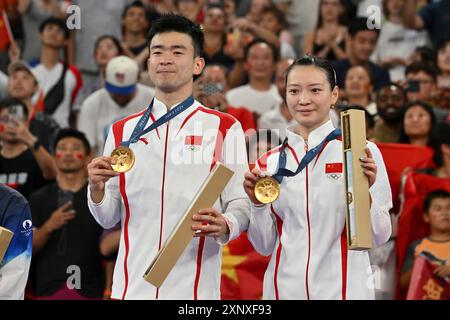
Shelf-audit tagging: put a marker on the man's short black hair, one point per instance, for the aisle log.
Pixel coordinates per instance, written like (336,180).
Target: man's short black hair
(256,41)
(134,4)
(72,133)
(177,23)
(7,103)
(437,194)
(57,22)
(424,67)
(358,25)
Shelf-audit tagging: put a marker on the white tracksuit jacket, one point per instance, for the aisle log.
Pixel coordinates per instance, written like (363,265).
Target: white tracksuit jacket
(304,228)
(171,164)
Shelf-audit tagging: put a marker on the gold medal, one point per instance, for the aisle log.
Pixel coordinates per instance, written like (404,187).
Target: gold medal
(267,190)
(124,159)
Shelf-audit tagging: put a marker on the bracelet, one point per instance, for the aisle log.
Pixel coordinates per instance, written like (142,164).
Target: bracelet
(35,145)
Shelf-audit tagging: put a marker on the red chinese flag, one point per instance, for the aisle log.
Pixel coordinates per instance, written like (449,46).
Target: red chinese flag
(6,37)
(399,156)
(193,140)
(333,168)
(424,285)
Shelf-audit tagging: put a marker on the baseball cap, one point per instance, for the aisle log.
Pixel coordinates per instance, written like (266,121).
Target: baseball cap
(21,66)
(121,75)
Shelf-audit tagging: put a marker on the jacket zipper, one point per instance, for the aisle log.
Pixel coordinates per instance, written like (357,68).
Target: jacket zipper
(309,228)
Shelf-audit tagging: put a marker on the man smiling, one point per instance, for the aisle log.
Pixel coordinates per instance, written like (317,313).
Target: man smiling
(152,196)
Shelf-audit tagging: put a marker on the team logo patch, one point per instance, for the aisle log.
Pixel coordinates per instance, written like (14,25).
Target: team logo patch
(333,171)
(193,143)
(120,77)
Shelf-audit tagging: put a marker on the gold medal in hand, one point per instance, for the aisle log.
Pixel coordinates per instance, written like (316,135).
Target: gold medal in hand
(123,158)
(267,190)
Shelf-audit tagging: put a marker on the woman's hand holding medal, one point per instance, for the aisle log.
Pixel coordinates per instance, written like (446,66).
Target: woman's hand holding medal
(260,187)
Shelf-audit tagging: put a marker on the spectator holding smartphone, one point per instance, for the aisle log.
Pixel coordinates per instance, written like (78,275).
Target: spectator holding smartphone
(60,216)
(25,164)
(422,85)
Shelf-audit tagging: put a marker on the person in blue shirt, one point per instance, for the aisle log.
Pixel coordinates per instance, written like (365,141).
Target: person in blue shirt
(15,216)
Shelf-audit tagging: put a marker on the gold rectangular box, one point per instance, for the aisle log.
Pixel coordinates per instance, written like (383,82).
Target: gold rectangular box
(180,237)
(5,239)
(359,231)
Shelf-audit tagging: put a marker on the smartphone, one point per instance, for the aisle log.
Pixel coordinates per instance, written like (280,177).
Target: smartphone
(413,86)
(16,113)
(64,197)
(212,88)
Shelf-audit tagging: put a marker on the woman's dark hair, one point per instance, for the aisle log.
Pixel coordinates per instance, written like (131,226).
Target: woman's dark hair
(442,137)
(177,23)
(114,40)
(342,18)
(317,62)
(433,121)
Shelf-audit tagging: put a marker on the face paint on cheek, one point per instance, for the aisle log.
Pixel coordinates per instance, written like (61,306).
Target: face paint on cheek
(79,155)
(2,128)
(58,155)
(249,66)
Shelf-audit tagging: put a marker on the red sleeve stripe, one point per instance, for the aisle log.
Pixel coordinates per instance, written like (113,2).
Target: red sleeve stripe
(117,129)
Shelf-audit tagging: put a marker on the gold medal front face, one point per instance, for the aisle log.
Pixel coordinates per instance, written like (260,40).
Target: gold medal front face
(267,190)
(124,159)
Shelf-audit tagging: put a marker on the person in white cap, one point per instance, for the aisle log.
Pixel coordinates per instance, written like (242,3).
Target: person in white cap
(122,96)
(171,163)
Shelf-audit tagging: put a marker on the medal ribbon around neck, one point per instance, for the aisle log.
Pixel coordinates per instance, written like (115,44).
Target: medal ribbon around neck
(267,189)
(123,155)
(309,156)
(139,129)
